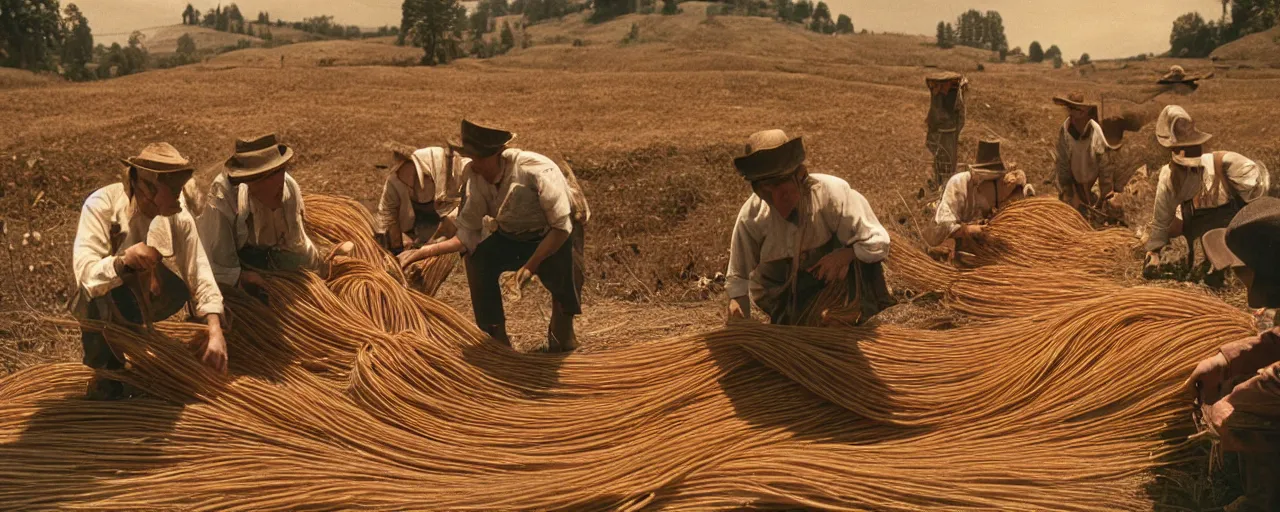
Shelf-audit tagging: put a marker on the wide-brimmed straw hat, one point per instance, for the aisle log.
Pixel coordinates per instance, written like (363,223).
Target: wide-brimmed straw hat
(160,158)
(399,150)
(257,157)
(770,154)
(988,156)
(475,141)
(1177,75)
(1176,129)
(1077,100)
(1251,240)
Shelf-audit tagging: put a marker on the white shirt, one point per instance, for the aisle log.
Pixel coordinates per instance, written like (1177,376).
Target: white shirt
(224,227)
(1249,179)
(94,261)
(961,204)
(531,197)
(1083,160)
(760,236)
(435,183)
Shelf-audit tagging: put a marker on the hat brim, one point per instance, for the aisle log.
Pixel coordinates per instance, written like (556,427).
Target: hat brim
(1069,104)
(472,151)
(239,174)
(771,163)
(129,162)
(1216,250)
(989,166)
(1199,140)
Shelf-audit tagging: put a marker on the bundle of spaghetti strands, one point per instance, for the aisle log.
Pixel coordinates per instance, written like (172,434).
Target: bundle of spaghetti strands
(336,219)
(335,402)
(428,274)
(1046,233)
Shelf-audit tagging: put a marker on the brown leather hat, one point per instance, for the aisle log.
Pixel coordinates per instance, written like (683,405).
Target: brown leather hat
(257,157)
(160,158)
(770,154)
(475,141)
(1251,240)
(988,156)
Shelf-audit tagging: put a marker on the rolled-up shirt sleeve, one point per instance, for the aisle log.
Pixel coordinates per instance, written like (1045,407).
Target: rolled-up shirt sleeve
(1165,205)
(857,225)
(744,256)
(91,257)
(189,253)
(389,206)
(1248,177)
(553,195)
(947,219)
(470,220)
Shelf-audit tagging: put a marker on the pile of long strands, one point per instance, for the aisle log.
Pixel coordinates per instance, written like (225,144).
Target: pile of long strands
(361,394)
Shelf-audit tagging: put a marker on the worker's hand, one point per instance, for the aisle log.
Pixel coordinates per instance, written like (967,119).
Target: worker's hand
(1207,378)
(523,276)
(974,231)
(1150,264)
(412,256)
(342,249)
(735,312)
(215,351)
(835,266)
(251,278)
(141,256)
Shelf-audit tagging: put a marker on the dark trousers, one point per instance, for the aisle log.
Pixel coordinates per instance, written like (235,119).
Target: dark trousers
(869,276)
(561,273)
(121,300)
(426,221)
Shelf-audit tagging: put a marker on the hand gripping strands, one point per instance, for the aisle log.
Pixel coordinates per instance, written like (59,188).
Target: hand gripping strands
(340,399)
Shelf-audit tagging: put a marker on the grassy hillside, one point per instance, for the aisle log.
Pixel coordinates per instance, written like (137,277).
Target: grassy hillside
(1262,48)
(165,39)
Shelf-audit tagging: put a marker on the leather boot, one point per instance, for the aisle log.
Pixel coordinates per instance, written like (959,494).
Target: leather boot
(560,335)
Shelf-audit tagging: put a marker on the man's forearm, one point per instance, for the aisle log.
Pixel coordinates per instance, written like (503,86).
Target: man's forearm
(548,246)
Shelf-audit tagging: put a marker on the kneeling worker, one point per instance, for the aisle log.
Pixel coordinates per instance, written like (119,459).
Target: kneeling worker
(971,198)
(126,230)
(527,195)
(420,196)
(799,232)
(1239,387)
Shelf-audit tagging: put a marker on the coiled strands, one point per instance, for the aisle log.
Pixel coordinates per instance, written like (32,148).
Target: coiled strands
(339,398)
(335,220)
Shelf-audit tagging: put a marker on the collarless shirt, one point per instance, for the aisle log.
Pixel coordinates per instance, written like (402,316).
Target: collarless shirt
(530,198)
(1248,178)
(1082,159)
(440,179)
(234,219)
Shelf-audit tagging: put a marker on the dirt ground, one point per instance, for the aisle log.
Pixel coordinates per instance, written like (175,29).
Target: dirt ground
(649,127)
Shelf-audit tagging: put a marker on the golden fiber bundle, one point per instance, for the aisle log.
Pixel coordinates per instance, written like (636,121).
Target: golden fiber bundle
(362,394)
(335,220)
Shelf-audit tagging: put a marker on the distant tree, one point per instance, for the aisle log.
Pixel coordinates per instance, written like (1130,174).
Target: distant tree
(1016,51)
(29,33)
(77,44)
(943,37)
(971,29)
(223,21)
(479,20)
(186,45)
(1035,53)
(210,19)
(608,9)
(508,37)
(994,38)
(516,7)
(670,7)
(844,24)
(1192,37)
(1084,59)
(125,60)
(821,21)
(264,18)
(264,33)
(1251,16)
(353,32)
(1053,52)
(434,26)
(801,11)
(633,35)
(190,16)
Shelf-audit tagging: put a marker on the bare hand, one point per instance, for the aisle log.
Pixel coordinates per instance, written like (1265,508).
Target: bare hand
(735,311)
(1208,377)
(141,256)
(251,278)
(974,231)
(342,249)
(215,352)
(1150,264)
(523,276)
(833,267)
(410,256)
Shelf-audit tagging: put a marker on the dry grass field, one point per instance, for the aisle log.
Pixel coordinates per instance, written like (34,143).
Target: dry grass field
(650,128)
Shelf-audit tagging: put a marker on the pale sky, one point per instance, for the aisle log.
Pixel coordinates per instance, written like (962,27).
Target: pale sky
(1103,28)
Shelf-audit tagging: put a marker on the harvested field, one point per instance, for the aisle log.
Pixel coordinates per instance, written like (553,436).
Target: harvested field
(650,129)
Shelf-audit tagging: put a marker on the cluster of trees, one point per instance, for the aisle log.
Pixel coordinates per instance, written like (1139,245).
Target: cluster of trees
(436,26)
(39,35)
(975,30)
(816,17)
(1036,53)
(1193,36)
(228,19)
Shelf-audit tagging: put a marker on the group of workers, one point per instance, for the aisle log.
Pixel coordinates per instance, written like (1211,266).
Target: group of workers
(144,248)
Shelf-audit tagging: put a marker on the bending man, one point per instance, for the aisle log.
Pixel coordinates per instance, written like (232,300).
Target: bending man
(971,198)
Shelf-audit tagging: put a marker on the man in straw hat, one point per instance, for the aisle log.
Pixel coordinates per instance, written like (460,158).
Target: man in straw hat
(254,218)
(420,197)
(1178,76)
(127,231)
(1239,387)
(529,199)
(1085,174)
(944,123)
(972,197)
(1197,191)
(799,232)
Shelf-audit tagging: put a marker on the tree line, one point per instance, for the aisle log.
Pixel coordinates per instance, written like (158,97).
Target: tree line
(230,19)
(40,35)
(975,30)
(1193,36)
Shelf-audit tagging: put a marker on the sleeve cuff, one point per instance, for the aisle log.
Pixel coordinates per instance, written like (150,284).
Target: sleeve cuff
(737,286)
(211,308)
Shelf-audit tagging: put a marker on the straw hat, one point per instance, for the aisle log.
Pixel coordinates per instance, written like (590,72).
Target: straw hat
(1251,240)
(770,154)
(1176,129)
(159,158)
(475,141)
(1176,75)
(257,157)
(1074,100)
